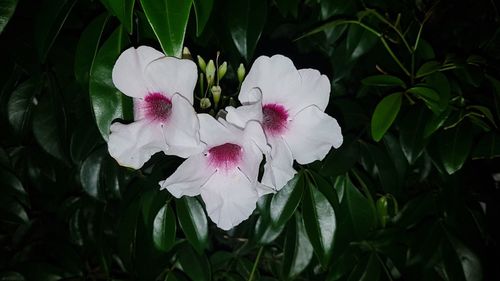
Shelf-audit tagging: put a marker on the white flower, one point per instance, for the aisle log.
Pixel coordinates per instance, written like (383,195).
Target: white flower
(290,105)
(225,174)
(164,119)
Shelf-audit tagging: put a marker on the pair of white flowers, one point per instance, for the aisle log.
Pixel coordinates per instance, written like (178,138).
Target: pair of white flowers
(282,118)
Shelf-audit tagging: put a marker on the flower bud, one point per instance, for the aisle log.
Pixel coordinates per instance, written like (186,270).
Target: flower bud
(216,92)
(222,70)
(202,64)
(205,103)
(186,54)
(241,73)
(210,72)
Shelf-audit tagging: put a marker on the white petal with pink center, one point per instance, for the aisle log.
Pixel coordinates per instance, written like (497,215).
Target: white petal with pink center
(225,173)
(290,105)
(164,118)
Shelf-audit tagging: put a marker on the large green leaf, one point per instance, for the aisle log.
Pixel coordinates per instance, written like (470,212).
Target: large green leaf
(87,48)
(265,231)
(245,20)
(488,147)
(107,101)
(298,250)
(123,10)
(7,8)
(169,19)
(202,8)
(49,22)
(90,174)
(193,222)
(429,96)
(320,222)
(412,135)
(384,115)
(21,103)
(286,201)
(455,145)
(359,41)
(360,210)
(340,160)
(164,228)
(195,265)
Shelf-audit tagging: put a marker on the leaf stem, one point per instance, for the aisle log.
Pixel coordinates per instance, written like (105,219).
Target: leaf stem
(256,262)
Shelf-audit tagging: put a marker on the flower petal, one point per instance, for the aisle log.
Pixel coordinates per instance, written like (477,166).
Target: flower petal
(251,110)
(182,129)
(278,169)
(276,77)
(216,132)
(171,75)
(311,134)
(314,90)
(133,144)
(189,177)
(230,198)
(128,71)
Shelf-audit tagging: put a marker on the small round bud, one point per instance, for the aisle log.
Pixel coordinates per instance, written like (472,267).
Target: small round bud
(222,70)
(205,103)
(186,54)
(241,72)
(216,92)
(202,64)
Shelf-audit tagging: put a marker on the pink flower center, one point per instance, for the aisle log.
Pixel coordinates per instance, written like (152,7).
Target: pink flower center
(225,156)
(157,107)
(275,119)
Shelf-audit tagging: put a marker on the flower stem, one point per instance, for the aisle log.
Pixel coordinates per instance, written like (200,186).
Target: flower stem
(256,262)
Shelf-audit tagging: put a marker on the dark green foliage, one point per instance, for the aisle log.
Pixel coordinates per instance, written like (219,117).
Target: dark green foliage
(412,194)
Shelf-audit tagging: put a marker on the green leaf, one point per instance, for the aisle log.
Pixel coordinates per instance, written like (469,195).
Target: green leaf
(455,145)
(164,228)
(372,270)
(21,103)
(486,112)
(193,222)
(245,20)
(488,147)
(385,169)
(265,231)
(7,8)
(428,68)
(288,7)
(107,101)
(359,41)
(202,9)
(385,114)
(123,10)
(298,250)
(12,186)
(169,19)
(90,174)
(412,135)
(49,22)
(285,202)
(341,160)
(195,265)
(429,96)
(360,210)
(320,222)
(383,80)
(49,126)
(11,276)
(87,48)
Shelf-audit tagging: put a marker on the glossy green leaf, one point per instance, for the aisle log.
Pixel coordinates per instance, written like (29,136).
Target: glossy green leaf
(385,169)
(428,68)
(164,228)
(383,80)
(21,103)
(90,174)
(340,160)
(245,20)
(359,41)
(429,96)
(49,22)
(107,101)
(123,10)
(169,19)
(193,222)
(385,114)
(49,127)
(288,7)
(360,210)
(484,111)
(320,222)
(265,231)
(298,250)
(372,270)
(412,136)
(286,201)
(7,8)
(195,265)
(440,83)
(87,48)
(455,146)
(203,9)
(488,147)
